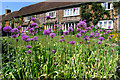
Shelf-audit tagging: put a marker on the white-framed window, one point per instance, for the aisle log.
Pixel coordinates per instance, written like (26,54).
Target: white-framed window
(27,18)
(70,12)
(105,24)
(108,5)
(52,14)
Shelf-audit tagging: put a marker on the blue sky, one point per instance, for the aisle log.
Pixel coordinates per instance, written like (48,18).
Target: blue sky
(15,6)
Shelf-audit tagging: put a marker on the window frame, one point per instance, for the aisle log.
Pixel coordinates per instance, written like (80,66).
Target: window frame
(54,13)
(105,5)
(103,25)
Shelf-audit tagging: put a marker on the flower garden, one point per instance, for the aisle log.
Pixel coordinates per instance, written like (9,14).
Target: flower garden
(85,52)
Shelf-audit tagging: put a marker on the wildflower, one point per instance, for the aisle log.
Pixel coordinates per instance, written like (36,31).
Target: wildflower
(66,33)
(83,31)
(101,38)
(14,36)
(19,27)
(46,32)
(35,38)
(80,42)
(62,36)
(88,28)
(33,24)
(108,31)
(25,37)
(72,42)
(112,35)
(82,24)
(55,25)
(49,29)
(100,30)
(64,40)
(104,30)
(97,34)
(33,19)
(31,30)
(91,34)
(17,40)
(52,35)
(92,26)
(86,38)
(84,20)
(88,42)
(27,40)
(109,37)
(70,29)
(48,17)
(7,29)
(109,27)
(60,40)
(32,39)
(78,29)
(29,51)
(67,42)
(53,51)
(36,27)
(23,34)
(99,42)
(28,46)
(78,35)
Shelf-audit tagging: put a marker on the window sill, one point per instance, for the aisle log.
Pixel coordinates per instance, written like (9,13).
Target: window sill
(109,9)
(71,15)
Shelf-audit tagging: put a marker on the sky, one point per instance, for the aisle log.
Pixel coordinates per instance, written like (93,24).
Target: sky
(15,5)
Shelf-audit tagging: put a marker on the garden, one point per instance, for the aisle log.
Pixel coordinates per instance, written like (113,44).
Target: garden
(83,53)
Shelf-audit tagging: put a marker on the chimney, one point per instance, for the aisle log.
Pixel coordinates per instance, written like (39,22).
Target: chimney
(7,11)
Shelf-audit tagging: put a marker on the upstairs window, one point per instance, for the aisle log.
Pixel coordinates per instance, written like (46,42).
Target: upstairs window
(105,24)
(108,5)
(52,14)
(70,12)
(27,18)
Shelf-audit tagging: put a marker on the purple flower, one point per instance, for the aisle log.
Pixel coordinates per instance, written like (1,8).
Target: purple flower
(28,46)
(33,19)
(25,37)
(100,30)
(91,34)
(15,30)
(29,51)
(33,24)
(88,42)
(48,17)
(112,35)
(60,40)
(72,42)
(104,30)
(109,37)
(17,40)
(78,35)
(52,35)
(82,24)
(35,38)
(36,27)
(14,36)
(32,39)
(86,38)
(62,36)
(104,33)
(99,42)
(83,31)
(46,32)
(7,29)
(109,27)
(55,25)
(101,38)
(92,26)
(84,20)
(88,28)
(108,31)
(64,40)
(97,34)
(78,29)
(31,30)
(49,29)
(19,27)
(27,40)
(70,29)
(66,33)
(23,34)
(53,51)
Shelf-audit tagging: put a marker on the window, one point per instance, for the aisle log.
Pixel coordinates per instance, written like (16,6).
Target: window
(107,5)
(28,18)
(52,14)
(70,12)
(105,24)
(24,29)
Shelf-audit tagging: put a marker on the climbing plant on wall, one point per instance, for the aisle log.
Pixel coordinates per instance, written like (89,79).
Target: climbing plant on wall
(93,13)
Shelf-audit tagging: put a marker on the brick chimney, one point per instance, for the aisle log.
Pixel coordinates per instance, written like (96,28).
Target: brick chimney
(7,11)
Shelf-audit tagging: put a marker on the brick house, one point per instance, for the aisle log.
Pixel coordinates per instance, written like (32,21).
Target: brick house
(61,12)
